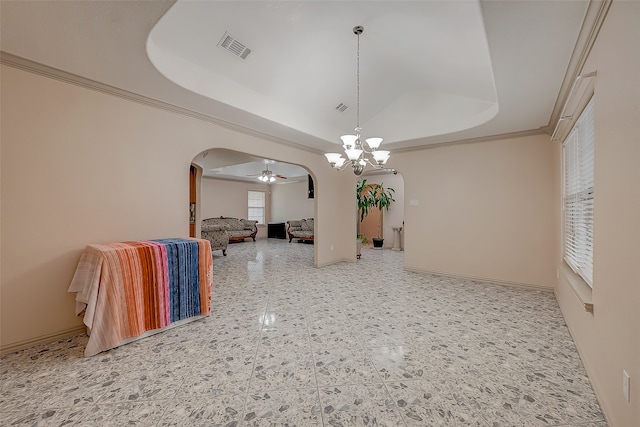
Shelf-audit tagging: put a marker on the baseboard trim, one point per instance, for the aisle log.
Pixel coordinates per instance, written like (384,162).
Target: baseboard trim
(338,261)
(526,286)
(42,339)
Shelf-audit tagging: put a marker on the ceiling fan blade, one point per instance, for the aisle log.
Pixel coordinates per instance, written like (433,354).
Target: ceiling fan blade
(280,176)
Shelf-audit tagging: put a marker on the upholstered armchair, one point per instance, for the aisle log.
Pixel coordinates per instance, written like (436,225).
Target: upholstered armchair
(300,229)
(218,235)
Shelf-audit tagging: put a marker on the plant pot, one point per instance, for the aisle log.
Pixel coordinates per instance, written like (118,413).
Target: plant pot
(377,243)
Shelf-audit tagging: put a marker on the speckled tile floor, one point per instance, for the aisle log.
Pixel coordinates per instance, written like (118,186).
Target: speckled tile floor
(288,344)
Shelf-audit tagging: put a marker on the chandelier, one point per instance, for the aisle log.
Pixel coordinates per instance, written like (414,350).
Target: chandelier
(354,149)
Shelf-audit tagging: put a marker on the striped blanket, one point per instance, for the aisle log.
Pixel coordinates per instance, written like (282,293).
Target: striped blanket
(128,288)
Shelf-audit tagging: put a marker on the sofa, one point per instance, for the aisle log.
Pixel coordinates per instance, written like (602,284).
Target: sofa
(301,229)
(217,235)
(238,229)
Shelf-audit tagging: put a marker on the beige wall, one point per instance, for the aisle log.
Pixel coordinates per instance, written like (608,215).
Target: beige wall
(80,166)
(483,210)
(609,339)
(229,198)
(291,201)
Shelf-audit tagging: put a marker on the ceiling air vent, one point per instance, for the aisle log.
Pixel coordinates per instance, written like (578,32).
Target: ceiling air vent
(228,42)
(341,107)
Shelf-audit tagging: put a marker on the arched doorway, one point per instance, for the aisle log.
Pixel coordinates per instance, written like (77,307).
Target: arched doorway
(226,177)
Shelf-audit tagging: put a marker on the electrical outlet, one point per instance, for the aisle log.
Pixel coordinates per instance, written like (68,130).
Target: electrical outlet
(625,385)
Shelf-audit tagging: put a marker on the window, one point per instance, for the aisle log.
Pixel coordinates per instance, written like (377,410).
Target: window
(256,206)
(577,152)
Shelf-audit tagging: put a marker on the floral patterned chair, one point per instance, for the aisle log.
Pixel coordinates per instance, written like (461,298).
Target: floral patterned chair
(218,235)
(300,229)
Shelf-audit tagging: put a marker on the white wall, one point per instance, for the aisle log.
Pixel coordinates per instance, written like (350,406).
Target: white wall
(291,201)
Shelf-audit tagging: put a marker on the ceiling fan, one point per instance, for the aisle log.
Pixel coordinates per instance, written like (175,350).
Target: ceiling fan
(267,176)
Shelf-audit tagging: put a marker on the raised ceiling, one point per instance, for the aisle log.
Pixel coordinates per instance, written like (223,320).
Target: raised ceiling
(302,63)
(431,71)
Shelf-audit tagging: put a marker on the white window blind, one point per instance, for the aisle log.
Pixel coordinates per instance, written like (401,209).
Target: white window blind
(578,195)
(256,206)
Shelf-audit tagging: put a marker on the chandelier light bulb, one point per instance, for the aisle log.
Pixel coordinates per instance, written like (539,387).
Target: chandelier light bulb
(333,157)
(380,156)
(353,153)
(374,143)
(349,141)
(340,162)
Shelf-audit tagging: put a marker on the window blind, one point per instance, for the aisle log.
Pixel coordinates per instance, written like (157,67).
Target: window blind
(256,206)
(578,177)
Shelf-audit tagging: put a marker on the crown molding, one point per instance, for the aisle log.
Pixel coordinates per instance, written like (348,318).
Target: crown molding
(593,20)
(33,67)
(510,135)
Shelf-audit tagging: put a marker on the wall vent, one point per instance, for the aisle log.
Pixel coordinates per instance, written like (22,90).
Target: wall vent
(341,107)
(228,42)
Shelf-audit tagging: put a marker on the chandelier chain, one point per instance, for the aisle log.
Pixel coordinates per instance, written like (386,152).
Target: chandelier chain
(358,85)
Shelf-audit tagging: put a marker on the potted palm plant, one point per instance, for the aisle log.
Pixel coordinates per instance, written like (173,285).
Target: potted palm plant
(382,199)
(364,205)
(368,197)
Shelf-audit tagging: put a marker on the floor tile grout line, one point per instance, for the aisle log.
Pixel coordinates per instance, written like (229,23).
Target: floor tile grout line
(315,372)
(255,360)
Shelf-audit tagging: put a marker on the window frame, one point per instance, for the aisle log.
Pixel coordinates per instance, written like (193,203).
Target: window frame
(262,206)
(578,194)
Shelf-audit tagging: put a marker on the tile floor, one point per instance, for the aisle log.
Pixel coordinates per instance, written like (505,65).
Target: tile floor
(293,345)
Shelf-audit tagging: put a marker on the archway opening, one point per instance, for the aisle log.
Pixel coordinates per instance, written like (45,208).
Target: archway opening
(228,180)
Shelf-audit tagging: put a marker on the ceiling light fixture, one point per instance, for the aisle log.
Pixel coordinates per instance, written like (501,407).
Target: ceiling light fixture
(352,144)
(267,176)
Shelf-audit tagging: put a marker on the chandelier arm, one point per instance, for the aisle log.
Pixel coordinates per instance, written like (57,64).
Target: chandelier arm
(343,167)
(373,164)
